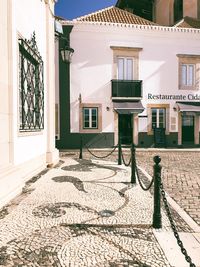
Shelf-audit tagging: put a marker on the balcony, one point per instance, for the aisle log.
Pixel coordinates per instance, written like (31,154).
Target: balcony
(126,89)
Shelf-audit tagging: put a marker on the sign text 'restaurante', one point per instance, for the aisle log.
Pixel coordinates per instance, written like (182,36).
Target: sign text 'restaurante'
(174,97)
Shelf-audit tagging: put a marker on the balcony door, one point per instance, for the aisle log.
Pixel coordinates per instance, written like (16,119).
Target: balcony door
(125,68)
(125,128)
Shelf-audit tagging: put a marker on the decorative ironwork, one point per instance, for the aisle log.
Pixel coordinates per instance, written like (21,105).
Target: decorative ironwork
(126,88)
(31,86)
(174,228)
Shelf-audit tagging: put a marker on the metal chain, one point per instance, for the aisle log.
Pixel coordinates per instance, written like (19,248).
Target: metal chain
(123,159)
(139,179)
(101,157)
(173,226)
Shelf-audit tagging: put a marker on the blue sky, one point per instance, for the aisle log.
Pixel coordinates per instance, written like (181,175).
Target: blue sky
(70,9)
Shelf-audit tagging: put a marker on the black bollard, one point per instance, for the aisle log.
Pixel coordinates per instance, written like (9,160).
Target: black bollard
(81,148)
(133,161)
(157,223)
(119,152)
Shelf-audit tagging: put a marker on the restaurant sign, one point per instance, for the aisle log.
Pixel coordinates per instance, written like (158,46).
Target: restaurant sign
(181,97)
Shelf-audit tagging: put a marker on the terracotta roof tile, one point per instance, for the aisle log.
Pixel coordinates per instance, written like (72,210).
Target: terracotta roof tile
(115,15)
(188,22)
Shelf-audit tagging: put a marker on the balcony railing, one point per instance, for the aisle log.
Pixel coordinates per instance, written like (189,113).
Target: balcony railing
(126,89)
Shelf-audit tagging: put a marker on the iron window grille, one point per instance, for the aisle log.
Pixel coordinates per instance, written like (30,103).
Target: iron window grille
(31,86)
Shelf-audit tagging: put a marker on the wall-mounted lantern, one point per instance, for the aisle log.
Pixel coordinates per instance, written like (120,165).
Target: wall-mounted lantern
(66,51)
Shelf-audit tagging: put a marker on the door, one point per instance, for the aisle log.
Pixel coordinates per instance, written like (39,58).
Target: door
(187,128)
(125,128)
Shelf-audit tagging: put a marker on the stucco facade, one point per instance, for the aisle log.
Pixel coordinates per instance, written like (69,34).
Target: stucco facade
(24,153)
(158,53)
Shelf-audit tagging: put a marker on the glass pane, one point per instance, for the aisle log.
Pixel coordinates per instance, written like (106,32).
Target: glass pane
(161,125)
(86,118)
(94,124)
(120,63)
(183,74)
(190,75)
(86,124)
(161,118)
(94,112)
(188,121)
(94,118)
(154,112)
(129,69)
(86,111)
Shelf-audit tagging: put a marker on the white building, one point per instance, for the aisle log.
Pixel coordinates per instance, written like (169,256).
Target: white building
(132,77)
(27,88)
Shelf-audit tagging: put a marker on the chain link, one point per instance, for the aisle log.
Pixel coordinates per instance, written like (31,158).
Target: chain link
(101,157)
(173,226)
(139,179)
(123,159)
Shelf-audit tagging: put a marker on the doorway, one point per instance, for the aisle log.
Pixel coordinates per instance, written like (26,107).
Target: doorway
(187,129)
(125,128)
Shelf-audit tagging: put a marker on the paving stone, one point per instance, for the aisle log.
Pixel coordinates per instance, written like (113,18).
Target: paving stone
(58,220)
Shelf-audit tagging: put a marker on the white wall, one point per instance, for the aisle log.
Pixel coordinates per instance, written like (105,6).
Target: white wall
(92,63)
(5,83)
(24,154)
(28,16)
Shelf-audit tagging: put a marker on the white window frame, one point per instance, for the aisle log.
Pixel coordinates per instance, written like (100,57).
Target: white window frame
(90,109)
(186,79)
(188,60)
(126,72)
(81,117)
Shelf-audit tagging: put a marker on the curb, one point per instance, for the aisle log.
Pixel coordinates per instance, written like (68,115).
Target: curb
(192,224)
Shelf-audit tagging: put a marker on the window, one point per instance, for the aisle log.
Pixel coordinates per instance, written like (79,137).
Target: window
(90,118)
(158,117)
(125,62)
(188,120)
(189,71)
(125,68)
(31,87)
(187,74)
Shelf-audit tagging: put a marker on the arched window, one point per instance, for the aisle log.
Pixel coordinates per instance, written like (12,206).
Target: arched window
(178,10)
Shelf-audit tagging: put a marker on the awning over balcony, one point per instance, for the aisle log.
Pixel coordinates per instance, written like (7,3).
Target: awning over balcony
(128,107)
(188,106)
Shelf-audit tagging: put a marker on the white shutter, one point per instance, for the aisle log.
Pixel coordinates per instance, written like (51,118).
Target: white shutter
(120,63)
(129,69)
(190,79)
(183,74)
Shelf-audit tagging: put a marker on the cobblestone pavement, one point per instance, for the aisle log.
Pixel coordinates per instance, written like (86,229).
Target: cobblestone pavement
(180,175)
(82,213)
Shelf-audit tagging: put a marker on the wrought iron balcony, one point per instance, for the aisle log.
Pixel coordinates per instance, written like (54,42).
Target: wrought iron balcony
(122,89)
